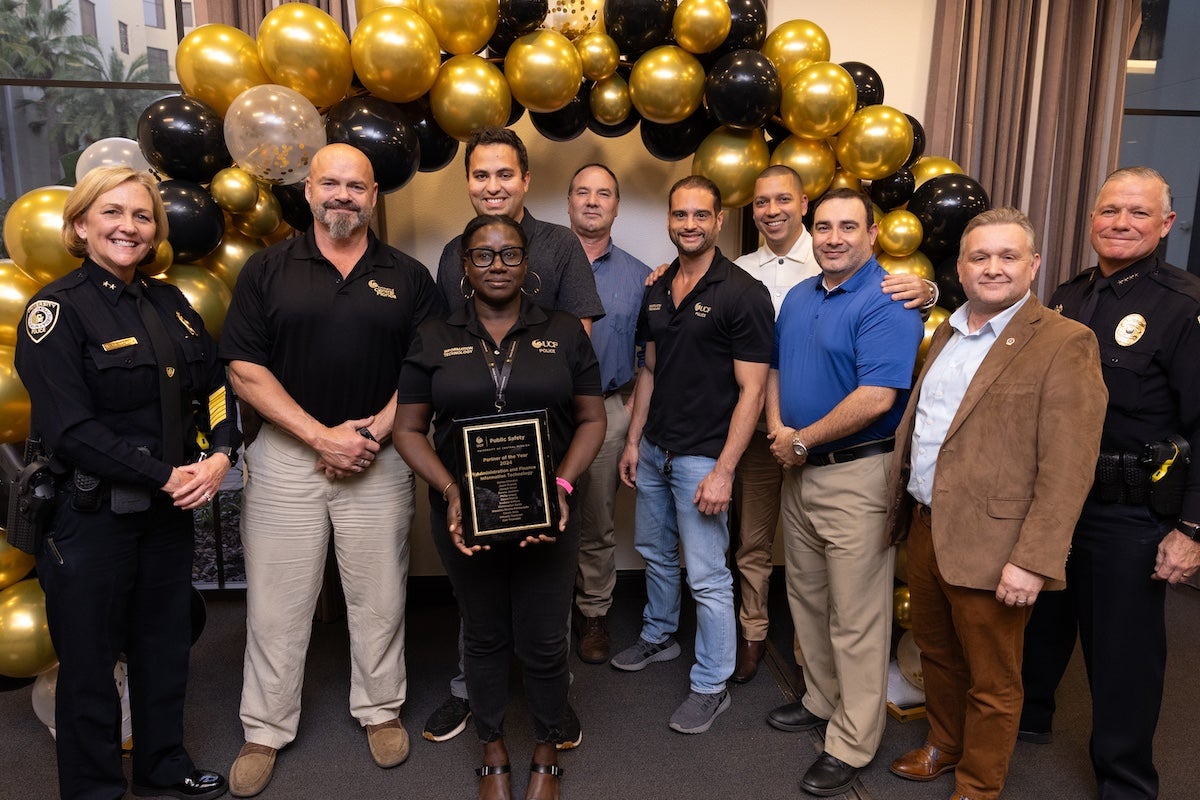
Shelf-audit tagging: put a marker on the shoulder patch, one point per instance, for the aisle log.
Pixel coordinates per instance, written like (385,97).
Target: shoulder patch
(40,319)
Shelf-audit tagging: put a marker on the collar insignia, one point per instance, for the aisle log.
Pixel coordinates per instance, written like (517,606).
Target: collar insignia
(112,287)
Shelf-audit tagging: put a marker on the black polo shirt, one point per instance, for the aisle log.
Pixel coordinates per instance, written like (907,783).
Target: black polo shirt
(335,344)
(552,364)
(728,316)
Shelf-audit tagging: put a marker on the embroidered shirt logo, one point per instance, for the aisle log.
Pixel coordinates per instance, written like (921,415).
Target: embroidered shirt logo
(654,307)
(701,309)
(382,291)
(548,346)
(40,319)
(458,351)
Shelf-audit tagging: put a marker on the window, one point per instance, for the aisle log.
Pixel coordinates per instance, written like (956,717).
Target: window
(158,64)
(123,35)
(155,15)
(188,20)
(87,18)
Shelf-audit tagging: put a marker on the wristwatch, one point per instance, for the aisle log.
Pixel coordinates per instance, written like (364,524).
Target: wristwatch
(1188,530)
(228,452)
(798,446)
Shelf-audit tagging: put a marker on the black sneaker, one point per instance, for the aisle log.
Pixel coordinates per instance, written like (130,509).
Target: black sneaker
(448,721)
(571,735)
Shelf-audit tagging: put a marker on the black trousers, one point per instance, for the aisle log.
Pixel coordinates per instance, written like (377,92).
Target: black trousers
(514,600)
(119,584)
(1119,613)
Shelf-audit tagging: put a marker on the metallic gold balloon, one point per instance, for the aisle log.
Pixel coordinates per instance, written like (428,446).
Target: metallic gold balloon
(610,101)
(818,101)
(795,45)
(303,48)
(215,63)
(844,180)
(598,54)
(16,290)
(915,263)
(666,84)
(395,54)
(461,26)
(900,235)
(574,18)
(902,562)
(902,607)
(14,401)
(235,190)
(227,260)
(33,234)
(25,648)
(701,25)
(14,564)
(732,158)
(875,143)
(928,167)
(206,293)
(263,219)
(364,7)
(164,257)
(936,317)
(813,161)
(543,70)
(284,231)
(469,93)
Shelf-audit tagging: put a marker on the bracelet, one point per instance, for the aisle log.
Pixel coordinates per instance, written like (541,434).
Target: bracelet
(565,484)
(446,489)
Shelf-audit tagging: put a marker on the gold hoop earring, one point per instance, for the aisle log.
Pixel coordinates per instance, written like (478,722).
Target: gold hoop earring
(462,288)
(539,285)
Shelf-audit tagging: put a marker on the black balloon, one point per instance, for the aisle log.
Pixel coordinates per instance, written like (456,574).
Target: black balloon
(523,16)
(568,123)
(747,29)
(515,112)
(195,223)
(183,138)
(894,190)
(945,204)
(950,291)
(613,131)
(677,140)
(296,210)
(382,132)
(918,141)
(866,81)
(742,89)
(502,39)
(438,148)
(638,25)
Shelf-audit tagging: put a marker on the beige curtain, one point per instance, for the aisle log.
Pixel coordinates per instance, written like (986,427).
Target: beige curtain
(1027,96)
(247,15)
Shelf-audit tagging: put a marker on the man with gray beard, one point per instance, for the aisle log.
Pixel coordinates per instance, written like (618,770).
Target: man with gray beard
(314,339)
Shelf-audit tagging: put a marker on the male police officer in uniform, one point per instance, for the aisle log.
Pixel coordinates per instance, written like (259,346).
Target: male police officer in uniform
(1138,530)
(315,336)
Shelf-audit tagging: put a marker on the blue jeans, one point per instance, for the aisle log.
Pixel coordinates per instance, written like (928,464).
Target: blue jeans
(667,521)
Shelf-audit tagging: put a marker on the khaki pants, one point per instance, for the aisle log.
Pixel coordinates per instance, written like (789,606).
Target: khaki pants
(597,503)
(288,513)
(756,490)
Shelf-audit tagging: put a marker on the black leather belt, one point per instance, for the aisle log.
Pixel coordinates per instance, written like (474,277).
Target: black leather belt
(851,453)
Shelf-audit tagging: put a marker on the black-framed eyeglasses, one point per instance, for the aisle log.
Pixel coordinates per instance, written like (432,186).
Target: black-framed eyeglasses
(484,256)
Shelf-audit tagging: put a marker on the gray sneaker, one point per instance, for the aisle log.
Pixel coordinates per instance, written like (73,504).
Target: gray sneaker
(643,654)
(697,712)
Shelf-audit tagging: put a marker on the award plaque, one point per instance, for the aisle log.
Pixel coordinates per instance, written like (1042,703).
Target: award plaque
(506,477)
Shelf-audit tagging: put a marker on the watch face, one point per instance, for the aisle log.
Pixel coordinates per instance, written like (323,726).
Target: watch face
(799,449)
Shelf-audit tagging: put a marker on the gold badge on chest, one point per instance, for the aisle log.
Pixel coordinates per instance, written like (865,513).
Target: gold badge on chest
(1130,329)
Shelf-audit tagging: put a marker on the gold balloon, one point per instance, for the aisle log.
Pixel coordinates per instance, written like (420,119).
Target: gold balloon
(303,48)
(461,26)
(14,400)
(263,219)
(875,143)
(33,234)
(902,562)
(395,54)
(732,159)
(701,25)
(794,45)
(813,161)
(25,648)
(844,180)
(666,84)
(573,18)
(610,101)
(915,263)
(936,317)
(227,260)
(364,7)
(215,63)
(469,93)
(902,607)
(598,54)
(164,257)
(14,564)
(16,290)
(284,231)
(818,101)
(900,234)
(543,70)
(928,167)
(205,292)
(235,190)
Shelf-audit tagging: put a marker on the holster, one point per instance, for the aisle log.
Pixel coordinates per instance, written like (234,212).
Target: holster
(31,497)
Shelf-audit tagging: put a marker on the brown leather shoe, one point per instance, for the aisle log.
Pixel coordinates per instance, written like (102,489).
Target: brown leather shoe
(748,655)
(388,742)
(251,770)
(925,763)
(594,643)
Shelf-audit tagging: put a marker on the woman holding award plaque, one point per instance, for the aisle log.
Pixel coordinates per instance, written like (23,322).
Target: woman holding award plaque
(514,394)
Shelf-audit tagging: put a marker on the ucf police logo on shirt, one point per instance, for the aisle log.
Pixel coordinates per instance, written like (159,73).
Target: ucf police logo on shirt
(40,319)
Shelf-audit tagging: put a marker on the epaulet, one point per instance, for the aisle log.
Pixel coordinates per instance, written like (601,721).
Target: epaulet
(1084,276)
(1177,280)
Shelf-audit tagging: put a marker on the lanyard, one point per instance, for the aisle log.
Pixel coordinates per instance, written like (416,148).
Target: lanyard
(500,373)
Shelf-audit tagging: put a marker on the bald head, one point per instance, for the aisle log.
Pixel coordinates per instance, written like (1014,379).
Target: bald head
(341,190)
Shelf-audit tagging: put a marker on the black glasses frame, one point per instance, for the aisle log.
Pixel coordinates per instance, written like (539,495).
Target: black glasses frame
(484,257)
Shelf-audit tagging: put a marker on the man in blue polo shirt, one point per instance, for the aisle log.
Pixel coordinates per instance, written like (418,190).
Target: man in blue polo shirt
(838,384)
(707,327)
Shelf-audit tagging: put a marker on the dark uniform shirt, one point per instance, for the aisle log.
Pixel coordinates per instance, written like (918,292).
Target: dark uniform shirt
(1147,322)
(560,275)
(89,367)
(727,316)
(334,344)
(552,364)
